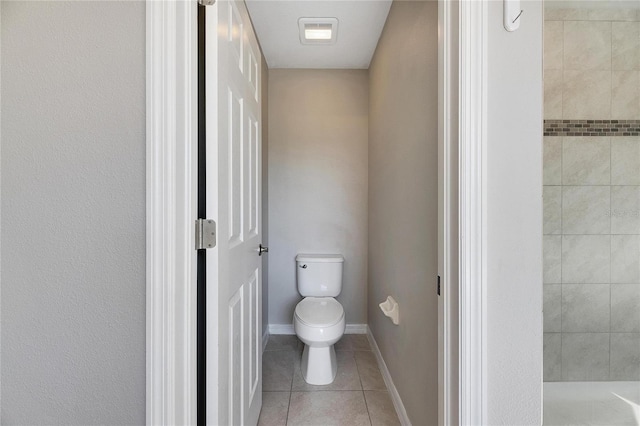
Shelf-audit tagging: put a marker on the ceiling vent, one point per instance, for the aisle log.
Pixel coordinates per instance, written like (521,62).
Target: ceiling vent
(318,30)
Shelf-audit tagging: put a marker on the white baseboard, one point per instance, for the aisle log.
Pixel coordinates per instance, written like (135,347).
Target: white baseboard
(265,338)
(393,392)
(281,329)
(356,329)
(288,329)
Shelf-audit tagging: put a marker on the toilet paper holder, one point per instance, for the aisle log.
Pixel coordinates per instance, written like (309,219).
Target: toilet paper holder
(391,309)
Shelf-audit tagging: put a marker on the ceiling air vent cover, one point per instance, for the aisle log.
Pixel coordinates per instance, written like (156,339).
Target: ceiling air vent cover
(318,30)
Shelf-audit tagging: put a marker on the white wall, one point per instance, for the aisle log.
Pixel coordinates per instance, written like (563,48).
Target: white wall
(317,182)
(403,202)
(73,213)
(514,218)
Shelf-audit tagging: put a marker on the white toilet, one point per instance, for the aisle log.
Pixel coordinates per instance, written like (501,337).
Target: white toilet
(319,318)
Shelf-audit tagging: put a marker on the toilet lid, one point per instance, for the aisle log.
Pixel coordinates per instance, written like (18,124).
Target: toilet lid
(319,311)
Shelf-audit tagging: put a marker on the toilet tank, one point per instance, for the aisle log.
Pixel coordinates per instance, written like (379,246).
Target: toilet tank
(319,275)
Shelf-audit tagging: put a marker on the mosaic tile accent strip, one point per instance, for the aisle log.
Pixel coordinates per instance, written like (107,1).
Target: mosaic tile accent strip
(592,127)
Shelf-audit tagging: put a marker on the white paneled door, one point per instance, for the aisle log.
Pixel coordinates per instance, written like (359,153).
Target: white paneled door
(233,169)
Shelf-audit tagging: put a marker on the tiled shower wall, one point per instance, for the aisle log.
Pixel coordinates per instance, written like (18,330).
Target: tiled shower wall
(592,195)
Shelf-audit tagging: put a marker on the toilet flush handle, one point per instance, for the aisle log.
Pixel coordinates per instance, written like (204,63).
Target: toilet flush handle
(303,266)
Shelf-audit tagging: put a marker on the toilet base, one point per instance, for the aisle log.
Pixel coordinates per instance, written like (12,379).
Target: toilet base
(319,365)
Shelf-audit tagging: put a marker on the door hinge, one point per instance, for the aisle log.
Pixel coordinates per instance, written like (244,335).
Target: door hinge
(205,234)
(206,2)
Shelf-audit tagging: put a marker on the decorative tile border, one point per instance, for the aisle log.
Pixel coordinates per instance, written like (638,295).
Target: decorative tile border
(592,127)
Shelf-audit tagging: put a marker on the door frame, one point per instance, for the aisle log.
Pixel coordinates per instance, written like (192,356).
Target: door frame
(171,160)
(472,226)
(447,214)
(462,194)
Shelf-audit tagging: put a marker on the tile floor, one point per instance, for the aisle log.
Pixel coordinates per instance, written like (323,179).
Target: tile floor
(358,395)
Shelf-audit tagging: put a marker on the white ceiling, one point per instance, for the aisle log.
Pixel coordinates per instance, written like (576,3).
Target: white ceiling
(360,23)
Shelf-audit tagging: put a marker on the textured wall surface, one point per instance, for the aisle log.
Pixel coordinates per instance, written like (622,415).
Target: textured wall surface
(592,196)
(514,218)
(73,213)
(317,182)
(403,202)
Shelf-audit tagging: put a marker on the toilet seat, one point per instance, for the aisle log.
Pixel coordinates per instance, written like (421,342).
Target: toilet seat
(319,311)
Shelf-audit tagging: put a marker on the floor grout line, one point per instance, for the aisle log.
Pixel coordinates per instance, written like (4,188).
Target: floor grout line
(366,407)
(286,421)
(293,374)
(364,397)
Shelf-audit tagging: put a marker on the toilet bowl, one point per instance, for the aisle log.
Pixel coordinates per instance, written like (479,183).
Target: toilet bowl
(319,320)
(319,323)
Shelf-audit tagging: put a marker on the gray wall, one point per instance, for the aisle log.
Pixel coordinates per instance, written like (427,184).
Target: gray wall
(73,213)
(403,202)
(317,182)
(513,263)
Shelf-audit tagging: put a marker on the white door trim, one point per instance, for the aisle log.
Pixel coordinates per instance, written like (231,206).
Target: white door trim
(171,88)
(472,208)
(447,212)
(171,209)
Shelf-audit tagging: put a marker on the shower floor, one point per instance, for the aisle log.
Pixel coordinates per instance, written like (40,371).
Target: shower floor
(591,403)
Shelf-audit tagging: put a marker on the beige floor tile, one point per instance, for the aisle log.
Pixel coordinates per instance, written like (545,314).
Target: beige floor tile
(277,370)
(346,377)
(353,342)
(328,408)
(341,403)
(275,406)
(381,409)
(281,342)
(369,372)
